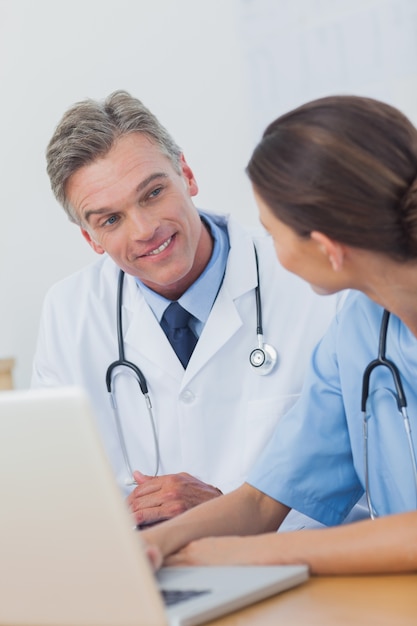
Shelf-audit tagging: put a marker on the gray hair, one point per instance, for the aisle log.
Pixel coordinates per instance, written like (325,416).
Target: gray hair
(89,129)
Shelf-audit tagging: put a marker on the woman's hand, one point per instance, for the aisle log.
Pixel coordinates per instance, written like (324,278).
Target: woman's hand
(154,556)
(222,551)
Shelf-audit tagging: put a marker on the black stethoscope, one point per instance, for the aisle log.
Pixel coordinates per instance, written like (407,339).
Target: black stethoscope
(263,360)
(382,360)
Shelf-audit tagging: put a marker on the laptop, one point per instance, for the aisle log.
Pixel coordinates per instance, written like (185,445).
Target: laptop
(69,555)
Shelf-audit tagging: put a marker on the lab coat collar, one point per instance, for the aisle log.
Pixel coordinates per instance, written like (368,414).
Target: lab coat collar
(240,276)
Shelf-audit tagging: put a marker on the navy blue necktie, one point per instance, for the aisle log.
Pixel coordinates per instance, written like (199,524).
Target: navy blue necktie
(175,323)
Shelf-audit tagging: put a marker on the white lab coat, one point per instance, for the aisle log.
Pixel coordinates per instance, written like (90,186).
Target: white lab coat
(213,418)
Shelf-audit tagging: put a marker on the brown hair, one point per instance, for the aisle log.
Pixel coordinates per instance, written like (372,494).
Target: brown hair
(345,166)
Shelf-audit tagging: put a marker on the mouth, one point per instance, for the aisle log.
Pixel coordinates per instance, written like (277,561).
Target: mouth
(160,248)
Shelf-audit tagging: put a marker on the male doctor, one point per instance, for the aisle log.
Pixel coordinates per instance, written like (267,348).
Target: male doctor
(124,181)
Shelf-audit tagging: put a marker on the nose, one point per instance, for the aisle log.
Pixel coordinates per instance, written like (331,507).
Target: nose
(142,225)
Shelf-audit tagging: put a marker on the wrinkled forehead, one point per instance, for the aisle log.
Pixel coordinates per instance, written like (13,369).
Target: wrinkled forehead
(133,163)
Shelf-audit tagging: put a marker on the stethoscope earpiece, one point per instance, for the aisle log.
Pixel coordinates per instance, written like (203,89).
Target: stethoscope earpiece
(263,359)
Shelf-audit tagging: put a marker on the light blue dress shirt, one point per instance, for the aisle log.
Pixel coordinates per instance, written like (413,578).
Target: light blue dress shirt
(315,460)
(199,298)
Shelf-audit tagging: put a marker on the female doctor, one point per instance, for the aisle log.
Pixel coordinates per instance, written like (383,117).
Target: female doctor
(336,185)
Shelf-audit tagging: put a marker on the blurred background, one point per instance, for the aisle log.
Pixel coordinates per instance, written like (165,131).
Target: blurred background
(214,72)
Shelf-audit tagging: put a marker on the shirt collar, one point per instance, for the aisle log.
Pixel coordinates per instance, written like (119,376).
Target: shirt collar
(200,297)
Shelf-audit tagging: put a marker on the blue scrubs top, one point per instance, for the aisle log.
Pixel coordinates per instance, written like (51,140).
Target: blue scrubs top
(315,460)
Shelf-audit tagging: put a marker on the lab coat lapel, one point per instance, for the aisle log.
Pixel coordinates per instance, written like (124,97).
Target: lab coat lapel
(224,320)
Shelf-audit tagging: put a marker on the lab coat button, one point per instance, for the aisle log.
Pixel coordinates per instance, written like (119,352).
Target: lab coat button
(187,396)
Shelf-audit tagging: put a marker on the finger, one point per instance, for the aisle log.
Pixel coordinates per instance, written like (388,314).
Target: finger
(140,478)
(155,557)
(181,558)
(176,560)
(150,488)
(145,515)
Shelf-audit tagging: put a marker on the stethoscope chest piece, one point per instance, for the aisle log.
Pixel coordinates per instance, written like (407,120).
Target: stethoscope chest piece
(263,359)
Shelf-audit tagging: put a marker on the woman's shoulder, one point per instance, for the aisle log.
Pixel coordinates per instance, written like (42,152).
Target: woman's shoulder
(357,306)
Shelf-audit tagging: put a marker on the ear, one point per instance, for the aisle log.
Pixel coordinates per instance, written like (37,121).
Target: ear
(189,177)
(333,250)
(96,247)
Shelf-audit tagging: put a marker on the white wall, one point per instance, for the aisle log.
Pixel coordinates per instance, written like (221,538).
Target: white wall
(214,72)
(299,50)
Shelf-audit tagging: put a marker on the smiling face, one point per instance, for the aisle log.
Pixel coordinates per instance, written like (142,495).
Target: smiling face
(135,206)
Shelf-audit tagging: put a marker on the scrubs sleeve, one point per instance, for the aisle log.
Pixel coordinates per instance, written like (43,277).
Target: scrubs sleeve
(307,465)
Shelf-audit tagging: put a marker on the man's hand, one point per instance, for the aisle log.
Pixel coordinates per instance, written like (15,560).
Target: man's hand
(158,498)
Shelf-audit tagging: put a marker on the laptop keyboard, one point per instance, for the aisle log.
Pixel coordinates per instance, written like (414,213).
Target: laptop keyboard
(173,596)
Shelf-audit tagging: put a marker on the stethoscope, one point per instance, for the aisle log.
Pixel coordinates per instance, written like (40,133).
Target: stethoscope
(263,359)
(382,360)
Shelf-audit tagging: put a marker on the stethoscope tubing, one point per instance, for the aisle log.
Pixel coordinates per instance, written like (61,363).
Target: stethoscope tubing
(268,360)
(382,360)
(111,375)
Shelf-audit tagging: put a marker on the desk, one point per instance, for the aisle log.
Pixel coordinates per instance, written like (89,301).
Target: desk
(6,377)
(336,601)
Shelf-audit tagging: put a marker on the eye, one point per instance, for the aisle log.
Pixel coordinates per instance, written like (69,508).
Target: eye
(110,221)
(155,192)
